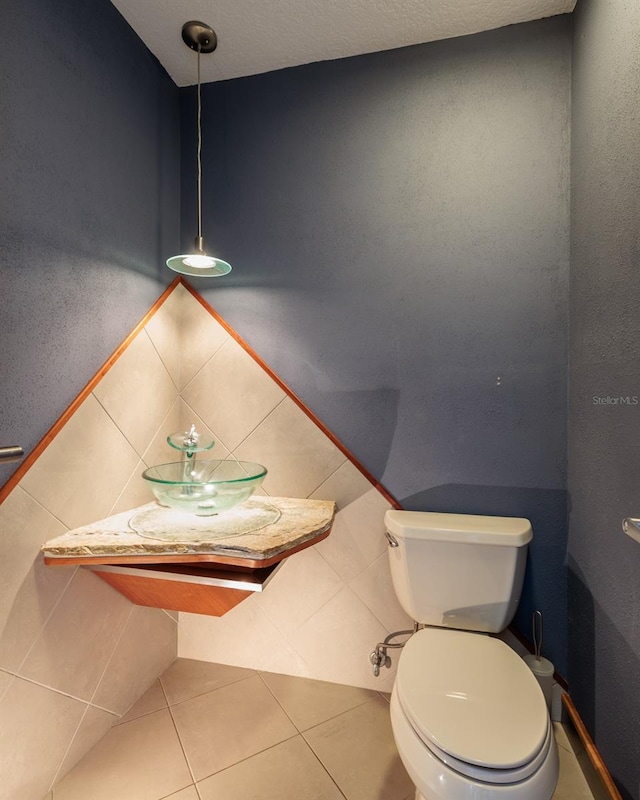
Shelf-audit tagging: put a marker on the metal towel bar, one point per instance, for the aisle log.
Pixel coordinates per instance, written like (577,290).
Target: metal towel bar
(631,527)
(11,453)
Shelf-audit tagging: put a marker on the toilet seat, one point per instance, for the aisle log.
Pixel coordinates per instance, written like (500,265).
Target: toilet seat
(488,774)
(475,704)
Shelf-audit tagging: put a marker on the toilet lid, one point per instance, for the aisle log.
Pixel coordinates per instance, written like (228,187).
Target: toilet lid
(472,697)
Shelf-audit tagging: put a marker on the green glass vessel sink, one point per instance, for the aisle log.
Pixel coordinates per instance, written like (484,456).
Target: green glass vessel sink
(204,487)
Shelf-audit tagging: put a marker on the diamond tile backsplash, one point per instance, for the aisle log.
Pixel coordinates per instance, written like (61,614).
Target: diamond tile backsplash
(75,654)
(327,607)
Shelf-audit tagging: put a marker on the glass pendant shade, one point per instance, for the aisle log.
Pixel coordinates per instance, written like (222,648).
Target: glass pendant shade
(198,264)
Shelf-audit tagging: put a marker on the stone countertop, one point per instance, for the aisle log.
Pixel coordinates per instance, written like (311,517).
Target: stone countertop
(261,529)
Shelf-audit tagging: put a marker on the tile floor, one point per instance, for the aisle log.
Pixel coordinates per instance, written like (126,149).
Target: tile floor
(212,732)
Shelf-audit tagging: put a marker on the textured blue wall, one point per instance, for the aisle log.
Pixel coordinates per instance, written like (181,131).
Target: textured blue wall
(604,437)
(89,208)
(399,227)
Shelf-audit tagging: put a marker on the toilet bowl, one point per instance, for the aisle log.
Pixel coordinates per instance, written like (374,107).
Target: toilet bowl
(470,720)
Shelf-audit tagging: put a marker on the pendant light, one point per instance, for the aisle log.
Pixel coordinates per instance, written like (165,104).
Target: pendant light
(202,38)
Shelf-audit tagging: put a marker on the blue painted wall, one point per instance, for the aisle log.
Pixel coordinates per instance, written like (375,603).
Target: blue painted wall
(604,437)
(399,223)
(399,227)
(89,207)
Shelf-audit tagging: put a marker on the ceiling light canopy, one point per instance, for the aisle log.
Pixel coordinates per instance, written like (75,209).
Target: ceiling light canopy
(202,38)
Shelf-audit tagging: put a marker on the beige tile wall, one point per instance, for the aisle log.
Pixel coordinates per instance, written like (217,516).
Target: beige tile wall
(75,654)
(328,606)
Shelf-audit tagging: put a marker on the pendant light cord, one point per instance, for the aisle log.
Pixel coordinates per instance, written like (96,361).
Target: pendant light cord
(199,152)
(201,38)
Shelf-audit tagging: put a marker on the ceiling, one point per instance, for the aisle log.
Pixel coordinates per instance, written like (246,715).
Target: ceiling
(259,36)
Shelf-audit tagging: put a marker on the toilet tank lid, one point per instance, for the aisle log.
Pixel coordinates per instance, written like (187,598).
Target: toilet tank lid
(459,528)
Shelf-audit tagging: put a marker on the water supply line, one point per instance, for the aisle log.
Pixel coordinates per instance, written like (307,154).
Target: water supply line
(380,658)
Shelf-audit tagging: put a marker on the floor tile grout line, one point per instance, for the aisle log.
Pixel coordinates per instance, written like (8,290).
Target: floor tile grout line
(169,708)
(178,791)
(382,695)
(201,694)
(118,724)
(278,702)
(317,757)
(324,766)
(180,742)
(300,735)
(555,726)
(107,710)
(334,716)
(253,755)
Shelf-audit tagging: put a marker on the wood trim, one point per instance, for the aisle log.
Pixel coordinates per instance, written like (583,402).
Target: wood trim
(592,751)
(557,677)
(289,392)
(174,596)
(71,409)
(151,558)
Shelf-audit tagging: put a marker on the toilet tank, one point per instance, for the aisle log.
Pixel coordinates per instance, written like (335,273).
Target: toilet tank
(458,570)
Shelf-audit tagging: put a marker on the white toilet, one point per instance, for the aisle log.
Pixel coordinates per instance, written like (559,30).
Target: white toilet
(469,718)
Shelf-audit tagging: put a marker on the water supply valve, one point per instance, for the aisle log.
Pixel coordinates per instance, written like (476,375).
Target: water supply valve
(380,658)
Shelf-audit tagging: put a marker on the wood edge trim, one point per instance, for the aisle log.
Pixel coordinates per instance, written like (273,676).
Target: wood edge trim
(592,751)
(291,394)
(557,677)
(70,410)
(193,598)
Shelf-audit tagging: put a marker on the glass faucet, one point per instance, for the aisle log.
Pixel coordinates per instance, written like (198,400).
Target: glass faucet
(189,443)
